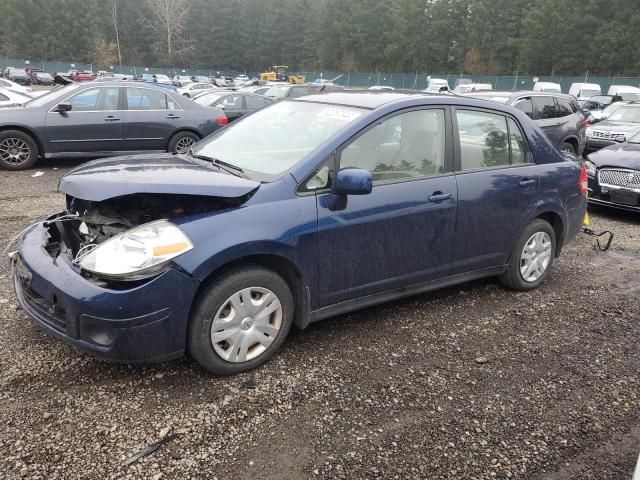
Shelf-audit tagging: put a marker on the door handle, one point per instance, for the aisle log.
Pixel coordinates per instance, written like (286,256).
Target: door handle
(111,118)
(172,116)
(439,197)
(527,182)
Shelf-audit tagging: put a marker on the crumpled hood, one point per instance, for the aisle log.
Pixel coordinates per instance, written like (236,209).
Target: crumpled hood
(151,173)
(623,155)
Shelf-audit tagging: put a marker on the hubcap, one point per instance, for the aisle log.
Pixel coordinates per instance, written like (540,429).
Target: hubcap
(184,144)
(14,151)
(535,257)
(246,324)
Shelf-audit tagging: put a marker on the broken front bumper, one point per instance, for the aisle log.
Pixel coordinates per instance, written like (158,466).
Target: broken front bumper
(145,323)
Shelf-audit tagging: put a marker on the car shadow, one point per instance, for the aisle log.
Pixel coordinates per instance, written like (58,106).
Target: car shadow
(616,214)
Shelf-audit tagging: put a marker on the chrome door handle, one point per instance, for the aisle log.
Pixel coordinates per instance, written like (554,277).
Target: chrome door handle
(527,182)
(439,197)
(111,118)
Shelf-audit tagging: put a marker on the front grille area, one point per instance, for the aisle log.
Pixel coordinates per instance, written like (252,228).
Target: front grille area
(619,178)
(604,135)
(53,314)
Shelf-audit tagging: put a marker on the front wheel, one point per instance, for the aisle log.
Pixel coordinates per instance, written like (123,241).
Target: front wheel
(567,147)
(532,257)
(240,320)
(18,150)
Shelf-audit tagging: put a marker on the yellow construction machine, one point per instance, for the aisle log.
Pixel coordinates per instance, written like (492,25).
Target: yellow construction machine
(279,73)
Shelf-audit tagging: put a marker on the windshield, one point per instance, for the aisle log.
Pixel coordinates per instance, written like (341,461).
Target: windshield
(608,110)
(630,96)
(627,113)
(207,99)
(49,96)
(279,91)
(272,140)
(635,138)
(584,93)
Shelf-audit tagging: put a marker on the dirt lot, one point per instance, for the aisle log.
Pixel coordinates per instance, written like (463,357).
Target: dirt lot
(399,391)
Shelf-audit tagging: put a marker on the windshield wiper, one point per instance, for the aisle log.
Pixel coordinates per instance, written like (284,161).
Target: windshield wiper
(222,165)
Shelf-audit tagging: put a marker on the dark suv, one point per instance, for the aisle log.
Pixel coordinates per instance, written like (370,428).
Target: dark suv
(559,116)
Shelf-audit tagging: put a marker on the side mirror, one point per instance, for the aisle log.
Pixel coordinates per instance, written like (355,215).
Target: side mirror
(352,181)
(63,107)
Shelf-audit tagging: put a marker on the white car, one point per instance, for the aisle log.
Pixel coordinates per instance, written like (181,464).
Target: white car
(385,88)
(584,91)
(549,87)
(164,79)
(627,92)
(194,88)
(10,98)
(437,85)
(472,87)
(8,84)
(240,79)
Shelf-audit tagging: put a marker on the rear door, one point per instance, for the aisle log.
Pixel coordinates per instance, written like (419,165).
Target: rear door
(548,118)
(94,124)
(497,187)
(151,118)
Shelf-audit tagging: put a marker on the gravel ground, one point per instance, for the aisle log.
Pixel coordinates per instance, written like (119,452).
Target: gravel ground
(469,382)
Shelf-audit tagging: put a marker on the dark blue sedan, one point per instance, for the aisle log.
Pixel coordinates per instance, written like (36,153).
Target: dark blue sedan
(304,210)
(100,118)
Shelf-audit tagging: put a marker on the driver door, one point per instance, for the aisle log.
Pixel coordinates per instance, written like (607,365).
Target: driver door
(401,233)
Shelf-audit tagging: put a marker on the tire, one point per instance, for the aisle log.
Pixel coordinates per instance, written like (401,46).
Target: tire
(241,344)
(182,141)
(18,150)
(567,147)
(514,277)
(185,95)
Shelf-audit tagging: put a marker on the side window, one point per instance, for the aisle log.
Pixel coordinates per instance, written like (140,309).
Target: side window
(3,98)
(565,107)
(95,99)
(525,105)
(231,102)
(254,102)
(299,92)
(408,145)
(319,180)
(517,143)
(545,108)
(172,104)
(146,99)
(483,140)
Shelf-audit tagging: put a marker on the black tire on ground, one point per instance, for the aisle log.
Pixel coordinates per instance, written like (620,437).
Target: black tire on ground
(180,139)
(214,297)
(18,150)
(512,277)
(568,147)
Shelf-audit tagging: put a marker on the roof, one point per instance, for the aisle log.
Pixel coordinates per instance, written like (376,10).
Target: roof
(358,98)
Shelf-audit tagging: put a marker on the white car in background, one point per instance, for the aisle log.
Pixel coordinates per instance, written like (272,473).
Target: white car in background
(473,87)
(627,92)
(164,79)
(385,88)
(8,84)
(584,91)
(194,88)
(10,98)
(437,85)
(548,87)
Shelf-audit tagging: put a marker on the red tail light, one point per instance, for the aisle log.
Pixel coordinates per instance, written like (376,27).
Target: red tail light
(583,183)
(585,122)
(225,121)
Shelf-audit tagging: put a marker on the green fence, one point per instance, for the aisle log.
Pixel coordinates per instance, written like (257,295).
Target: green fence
(415,81)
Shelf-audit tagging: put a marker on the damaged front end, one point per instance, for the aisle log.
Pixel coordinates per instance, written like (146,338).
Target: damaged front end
(128,238)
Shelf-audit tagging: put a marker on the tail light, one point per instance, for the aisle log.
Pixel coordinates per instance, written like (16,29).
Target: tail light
(583,183)
(585,122)
(225,121)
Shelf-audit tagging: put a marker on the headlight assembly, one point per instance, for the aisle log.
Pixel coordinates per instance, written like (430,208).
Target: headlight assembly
(591,168)
(138,253)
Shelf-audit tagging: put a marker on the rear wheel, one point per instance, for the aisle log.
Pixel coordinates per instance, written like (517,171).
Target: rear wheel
(240,320)
(532,257)
(181,142)
(18,150)
(567,147)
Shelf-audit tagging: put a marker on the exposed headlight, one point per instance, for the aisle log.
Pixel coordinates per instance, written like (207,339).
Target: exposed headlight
(621,138)
(589,131)
(137,253)
(591,168)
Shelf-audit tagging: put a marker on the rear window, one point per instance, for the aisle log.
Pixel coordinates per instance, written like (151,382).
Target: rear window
(565,107)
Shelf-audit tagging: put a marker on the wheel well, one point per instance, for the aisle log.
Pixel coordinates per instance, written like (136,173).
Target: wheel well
(190,130)
(558,227)
(28,132)
(280,265)
(574,143)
